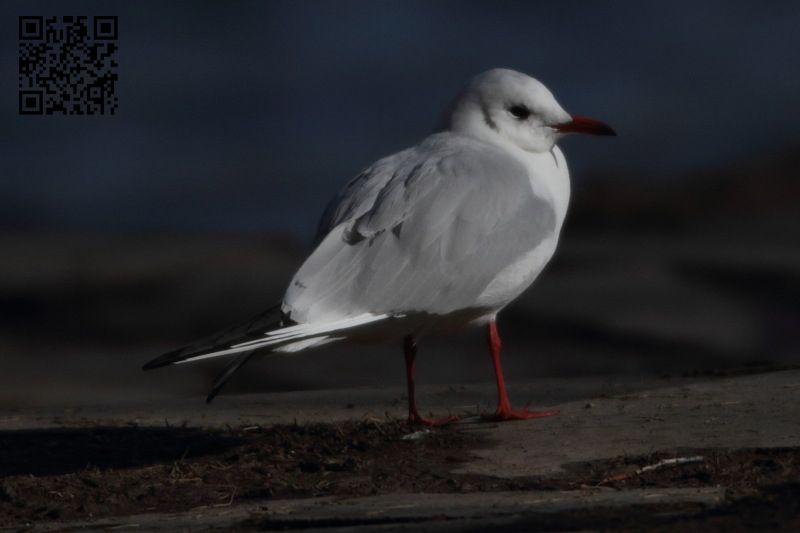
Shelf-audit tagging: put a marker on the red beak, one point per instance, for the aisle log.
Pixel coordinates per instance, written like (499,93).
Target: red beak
(585,125)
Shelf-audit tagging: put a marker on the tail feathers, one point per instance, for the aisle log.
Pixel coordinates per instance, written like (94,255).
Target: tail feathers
(240,360)
(305,331)
(271,339)
(271,319)
(278,338)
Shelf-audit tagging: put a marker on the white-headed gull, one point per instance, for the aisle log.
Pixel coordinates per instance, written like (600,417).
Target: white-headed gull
(441,235)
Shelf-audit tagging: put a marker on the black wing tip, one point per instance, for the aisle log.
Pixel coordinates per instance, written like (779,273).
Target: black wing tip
(169,358)
(214,391)
(219,341)
(151,365)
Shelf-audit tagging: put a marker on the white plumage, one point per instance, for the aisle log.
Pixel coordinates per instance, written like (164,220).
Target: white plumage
(443,234)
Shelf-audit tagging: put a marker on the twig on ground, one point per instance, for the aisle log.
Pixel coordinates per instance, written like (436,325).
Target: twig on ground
(675,461)
(229,502)
(671,462)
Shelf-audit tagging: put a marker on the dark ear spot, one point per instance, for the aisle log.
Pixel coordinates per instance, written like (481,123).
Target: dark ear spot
(488,120)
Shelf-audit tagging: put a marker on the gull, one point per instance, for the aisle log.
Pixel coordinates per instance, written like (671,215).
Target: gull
(437,237)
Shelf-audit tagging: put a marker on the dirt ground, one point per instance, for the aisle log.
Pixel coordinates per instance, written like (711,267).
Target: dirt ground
(94,472)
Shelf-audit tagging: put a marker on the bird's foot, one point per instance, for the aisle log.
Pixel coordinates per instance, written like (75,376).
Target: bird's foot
(417,420)
(505,413)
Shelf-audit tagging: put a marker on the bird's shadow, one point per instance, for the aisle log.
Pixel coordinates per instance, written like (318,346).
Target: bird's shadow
(43,452)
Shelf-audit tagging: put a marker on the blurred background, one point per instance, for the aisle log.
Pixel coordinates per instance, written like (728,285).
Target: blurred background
(123,236)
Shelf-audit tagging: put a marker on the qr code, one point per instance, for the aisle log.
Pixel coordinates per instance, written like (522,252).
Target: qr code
(67,65)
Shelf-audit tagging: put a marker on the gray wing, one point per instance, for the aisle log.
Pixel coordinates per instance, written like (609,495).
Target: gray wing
(359,194)
(424,231)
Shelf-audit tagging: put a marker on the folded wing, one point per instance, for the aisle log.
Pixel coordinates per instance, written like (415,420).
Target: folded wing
(426,230)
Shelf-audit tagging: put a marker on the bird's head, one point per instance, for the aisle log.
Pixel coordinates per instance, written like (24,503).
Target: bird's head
(516,108)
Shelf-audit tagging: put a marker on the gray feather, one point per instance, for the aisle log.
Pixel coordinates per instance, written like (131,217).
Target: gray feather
(466,210)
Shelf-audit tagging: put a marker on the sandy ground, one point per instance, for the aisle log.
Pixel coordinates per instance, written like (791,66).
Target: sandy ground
(716,453)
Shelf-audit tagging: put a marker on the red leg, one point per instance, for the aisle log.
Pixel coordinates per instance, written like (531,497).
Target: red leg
(410,348)
(504,411)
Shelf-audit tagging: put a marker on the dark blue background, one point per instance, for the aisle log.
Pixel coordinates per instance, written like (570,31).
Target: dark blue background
(248,116)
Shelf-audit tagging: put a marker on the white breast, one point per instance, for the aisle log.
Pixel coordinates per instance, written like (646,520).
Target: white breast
(549,178)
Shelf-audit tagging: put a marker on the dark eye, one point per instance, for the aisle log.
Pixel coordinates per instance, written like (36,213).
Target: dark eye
(519,112)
